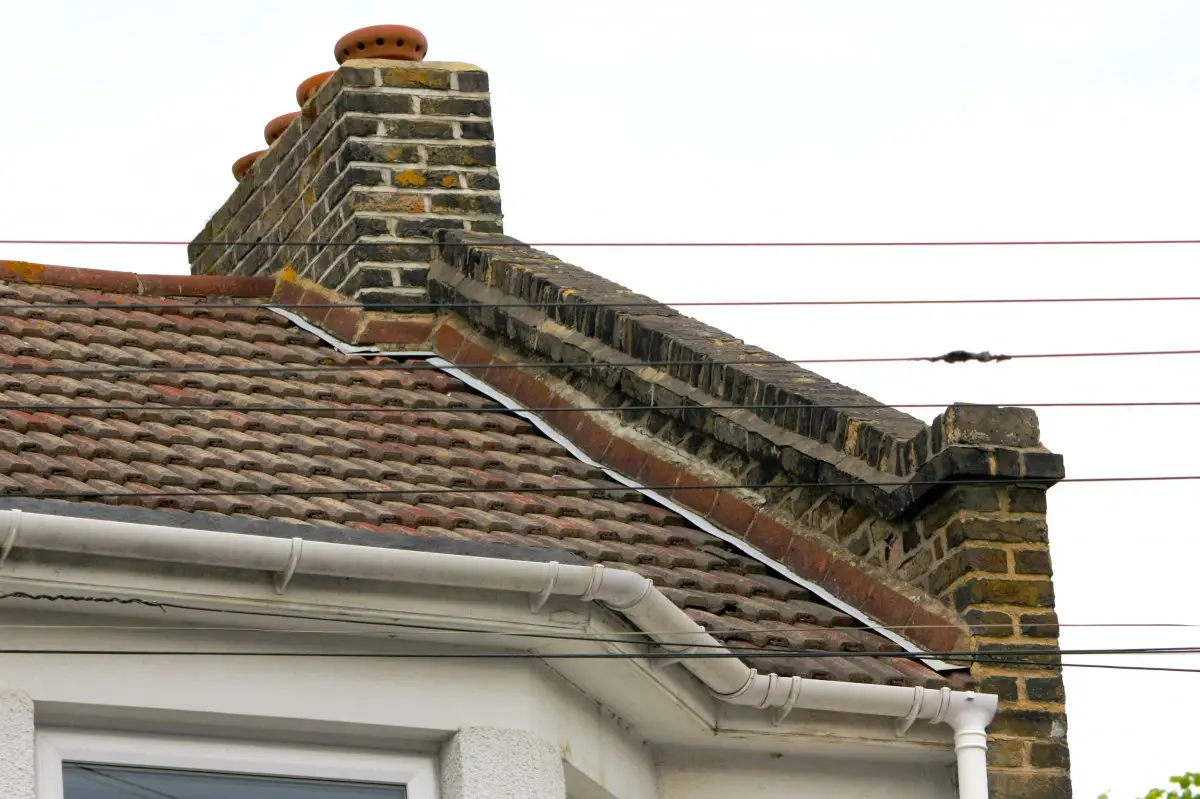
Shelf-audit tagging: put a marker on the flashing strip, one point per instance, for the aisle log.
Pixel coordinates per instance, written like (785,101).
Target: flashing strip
(438,362)
(695,519)
(338,344)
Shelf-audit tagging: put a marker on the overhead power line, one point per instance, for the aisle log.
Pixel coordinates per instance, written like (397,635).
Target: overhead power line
(740,653)
(622,244)
(993,658)
(610,637)
(588,489)
(9,306)
(318,410)
(955,356)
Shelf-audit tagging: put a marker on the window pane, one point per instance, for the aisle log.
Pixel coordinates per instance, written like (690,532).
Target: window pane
(88,781)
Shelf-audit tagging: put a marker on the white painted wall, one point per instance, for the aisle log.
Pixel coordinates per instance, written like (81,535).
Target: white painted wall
(722,775)
(617,729)
(494,763)
(16,745)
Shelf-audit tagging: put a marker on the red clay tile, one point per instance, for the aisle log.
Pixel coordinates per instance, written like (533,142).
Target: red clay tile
(308,463)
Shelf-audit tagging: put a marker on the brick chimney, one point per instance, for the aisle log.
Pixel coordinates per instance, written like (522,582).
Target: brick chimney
(385,153)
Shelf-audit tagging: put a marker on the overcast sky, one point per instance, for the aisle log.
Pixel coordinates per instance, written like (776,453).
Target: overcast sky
(758,120)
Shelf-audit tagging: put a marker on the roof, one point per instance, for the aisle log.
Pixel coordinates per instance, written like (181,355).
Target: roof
(335,436)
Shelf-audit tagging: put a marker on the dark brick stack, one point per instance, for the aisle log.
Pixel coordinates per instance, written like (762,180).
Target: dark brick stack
(980,549)
(385,154)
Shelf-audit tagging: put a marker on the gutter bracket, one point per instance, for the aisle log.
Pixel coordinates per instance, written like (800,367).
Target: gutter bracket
(593,589)
(14,527)
(944,696)
(903,725)
(538,600)
(284,577)
(778,714)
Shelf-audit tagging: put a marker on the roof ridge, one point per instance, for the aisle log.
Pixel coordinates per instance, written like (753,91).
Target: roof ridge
(141,285)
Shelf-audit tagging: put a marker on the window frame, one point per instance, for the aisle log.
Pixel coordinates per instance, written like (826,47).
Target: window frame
(416,773)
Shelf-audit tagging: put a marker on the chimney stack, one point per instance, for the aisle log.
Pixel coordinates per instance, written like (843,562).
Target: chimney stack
(387,150)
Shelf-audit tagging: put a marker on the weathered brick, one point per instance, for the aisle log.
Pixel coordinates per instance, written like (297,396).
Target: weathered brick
(427,178)
(375,278)
(483,180)
(464,204)
(366,101)
(988,424)
(1034,724)
(472,81)
(379,152)
(1049,755)
(1029,785)
(455,107)
(1039,625)
(1045,689)
(1024,593)
(989,623)
(1010,530)
(388,202)
(411,77)
(1006,753)
(477,130)
(1032,561)
(1003,687)
(461,156)
(417,129)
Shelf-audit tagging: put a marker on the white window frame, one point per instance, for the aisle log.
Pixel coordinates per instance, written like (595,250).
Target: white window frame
(54,747)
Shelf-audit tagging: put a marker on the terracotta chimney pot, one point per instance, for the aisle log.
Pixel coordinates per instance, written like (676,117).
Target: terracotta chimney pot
(397,42)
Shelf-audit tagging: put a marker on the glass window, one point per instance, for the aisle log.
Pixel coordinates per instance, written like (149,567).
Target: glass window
(94,781)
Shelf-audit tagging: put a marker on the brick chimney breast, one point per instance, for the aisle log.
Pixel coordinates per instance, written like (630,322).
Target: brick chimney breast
(350,194)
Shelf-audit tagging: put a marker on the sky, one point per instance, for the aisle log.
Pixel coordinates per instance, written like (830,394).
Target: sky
(759,121)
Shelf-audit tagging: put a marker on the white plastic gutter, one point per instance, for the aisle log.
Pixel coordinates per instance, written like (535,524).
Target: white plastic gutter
(627,593)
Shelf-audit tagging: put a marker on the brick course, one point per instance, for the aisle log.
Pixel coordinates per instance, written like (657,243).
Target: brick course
(349,196)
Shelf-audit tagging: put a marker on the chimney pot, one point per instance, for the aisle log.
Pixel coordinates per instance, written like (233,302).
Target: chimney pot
(395,42)
(243,164)
(278,125)
(311,86)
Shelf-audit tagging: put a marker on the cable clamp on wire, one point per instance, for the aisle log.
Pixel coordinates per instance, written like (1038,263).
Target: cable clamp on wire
(14,527)
(668,656)
(538,600)
(904,724)
(284,577)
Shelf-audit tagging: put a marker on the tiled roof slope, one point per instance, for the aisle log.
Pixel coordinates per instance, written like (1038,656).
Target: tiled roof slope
(412,429)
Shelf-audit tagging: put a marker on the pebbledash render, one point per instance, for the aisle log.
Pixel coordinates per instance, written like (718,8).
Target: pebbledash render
(464,446)
(395,164)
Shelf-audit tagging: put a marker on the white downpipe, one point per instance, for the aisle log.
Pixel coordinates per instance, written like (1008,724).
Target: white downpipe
(633,596)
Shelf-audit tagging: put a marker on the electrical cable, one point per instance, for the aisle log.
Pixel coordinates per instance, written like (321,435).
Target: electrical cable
(983,657)
(427,628)
(582,305)
(955,356)
(623,244)
(419,409)
(594,489)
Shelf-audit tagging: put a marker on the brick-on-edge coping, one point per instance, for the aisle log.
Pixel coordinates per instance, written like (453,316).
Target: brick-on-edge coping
(440,363)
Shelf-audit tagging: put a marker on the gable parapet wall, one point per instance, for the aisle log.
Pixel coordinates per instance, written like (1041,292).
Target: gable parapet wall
(862,508)
(349,196)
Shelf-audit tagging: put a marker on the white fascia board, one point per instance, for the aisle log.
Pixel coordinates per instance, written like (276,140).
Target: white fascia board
(665,705)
